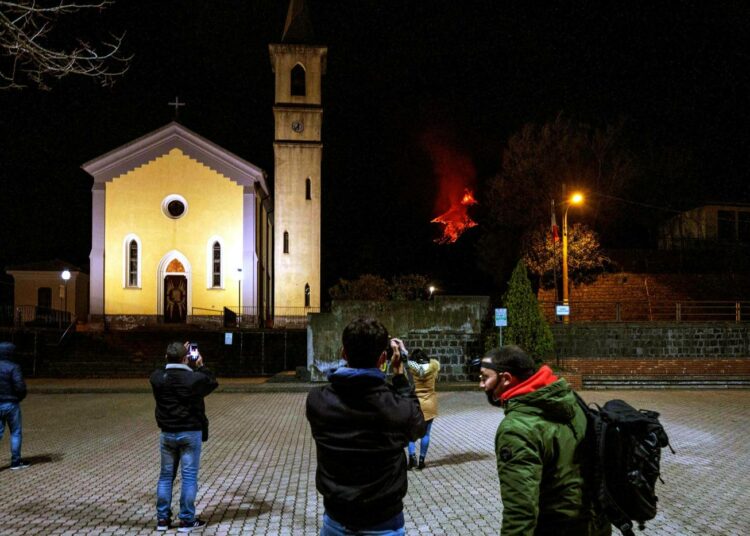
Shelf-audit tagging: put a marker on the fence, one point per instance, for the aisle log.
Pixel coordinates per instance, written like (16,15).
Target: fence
(250,317)
(652,311)
(34,316)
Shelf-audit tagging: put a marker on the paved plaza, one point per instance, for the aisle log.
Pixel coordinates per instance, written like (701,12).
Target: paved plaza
(95,466)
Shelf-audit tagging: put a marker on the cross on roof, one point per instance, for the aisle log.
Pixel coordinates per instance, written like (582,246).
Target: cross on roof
(176,105)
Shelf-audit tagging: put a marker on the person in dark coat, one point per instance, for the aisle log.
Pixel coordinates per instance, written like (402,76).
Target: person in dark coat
(179,389)
(361,425)
(12,391)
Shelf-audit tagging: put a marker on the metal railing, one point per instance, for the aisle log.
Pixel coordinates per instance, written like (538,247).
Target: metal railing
(249,317)
(652,311)
(35,316)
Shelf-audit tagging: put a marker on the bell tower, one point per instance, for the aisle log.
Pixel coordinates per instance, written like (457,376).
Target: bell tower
(298,66)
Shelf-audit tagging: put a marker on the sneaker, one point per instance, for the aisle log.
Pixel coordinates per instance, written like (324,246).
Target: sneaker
(19,465)
(164,524)
(412,462)
(195,524)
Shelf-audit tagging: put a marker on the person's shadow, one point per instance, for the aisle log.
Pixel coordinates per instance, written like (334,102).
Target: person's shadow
(39,459)
(457,459)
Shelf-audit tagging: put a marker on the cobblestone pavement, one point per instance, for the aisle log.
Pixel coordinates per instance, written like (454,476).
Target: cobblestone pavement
(95,466)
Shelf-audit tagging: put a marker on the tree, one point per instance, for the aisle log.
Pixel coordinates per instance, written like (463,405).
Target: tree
(526,325)
(375,288)
(27,44)
(543,258)
(537,161)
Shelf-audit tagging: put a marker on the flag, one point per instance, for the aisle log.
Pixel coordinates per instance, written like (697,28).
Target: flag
(555,229)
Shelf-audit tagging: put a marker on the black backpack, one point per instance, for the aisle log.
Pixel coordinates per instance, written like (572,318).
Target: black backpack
(623,447)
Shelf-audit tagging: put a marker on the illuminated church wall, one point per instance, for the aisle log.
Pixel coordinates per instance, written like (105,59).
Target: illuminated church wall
(134,204)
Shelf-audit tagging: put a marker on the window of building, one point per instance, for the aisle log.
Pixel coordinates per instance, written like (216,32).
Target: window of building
(216,277)
(308,189)
(307,295)
(44,297)
(298,81)
(743,227)
(726,225)
(133,264)
(286,242)
(174,206)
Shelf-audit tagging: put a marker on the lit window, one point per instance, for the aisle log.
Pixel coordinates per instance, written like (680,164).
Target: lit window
(286,242)
(216,281)
(133,264)
(298,81)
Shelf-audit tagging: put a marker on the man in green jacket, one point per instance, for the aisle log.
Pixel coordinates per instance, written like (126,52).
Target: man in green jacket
(537,447)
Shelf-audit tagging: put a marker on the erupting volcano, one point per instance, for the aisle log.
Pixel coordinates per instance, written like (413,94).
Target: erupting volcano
(456,176)
(456,219)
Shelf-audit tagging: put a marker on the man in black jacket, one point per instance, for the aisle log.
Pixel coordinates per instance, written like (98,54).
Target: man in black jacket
(179,389)
(361,425)
(12,391)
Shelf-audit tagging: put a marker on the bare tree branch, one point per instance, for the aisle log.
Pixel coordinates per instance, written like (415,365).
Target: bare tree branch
(26,55)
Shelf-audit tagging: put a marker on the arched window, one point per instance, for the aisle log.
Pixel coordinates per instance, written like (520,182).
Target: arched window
(286,242)
(298,81)
(307,295)
(133,263)
(216,265)
(308,189)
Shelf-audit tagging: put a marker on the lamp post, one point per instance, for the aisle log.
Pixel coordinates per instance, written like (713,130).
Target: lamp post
(65,275)
(239,296)
(575,199)
(432,291)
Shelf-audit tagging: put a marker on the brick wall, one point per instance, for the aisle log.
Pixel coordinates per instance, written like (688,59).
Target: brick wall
(657,367)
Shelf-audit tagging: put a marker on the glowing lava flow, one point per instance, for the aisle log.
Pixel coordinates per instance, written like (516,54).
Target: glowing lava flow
(456,220)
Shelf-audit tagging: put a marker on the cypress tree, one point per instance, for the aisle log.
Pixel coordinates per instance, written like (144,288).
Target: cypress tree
(527,327)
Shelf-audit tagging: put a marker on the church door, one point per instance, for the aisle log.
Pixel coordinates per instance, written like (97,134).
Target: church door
(175,299)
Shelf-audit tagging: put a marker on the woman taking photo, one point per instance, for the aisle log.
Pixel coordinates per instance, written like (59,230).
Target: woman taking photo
(425,373)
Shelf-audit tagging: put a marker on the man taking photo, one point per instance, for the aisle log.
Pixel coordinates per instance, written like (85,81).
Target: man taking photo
(361,425)
(179,389)
(538,446)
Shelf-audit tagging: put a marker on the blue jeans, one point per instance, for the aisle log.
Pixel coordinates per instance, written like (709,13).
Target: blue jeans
(331,527)
(425,444)
(10,412)
(181,449)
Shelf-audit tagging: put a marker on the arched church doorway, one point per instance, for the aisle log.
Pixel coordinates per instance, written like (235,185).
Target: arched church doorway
(174,295)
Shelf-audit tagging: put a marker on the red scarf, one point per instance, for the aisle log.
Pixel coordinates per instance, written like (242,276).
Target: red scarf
(543,377)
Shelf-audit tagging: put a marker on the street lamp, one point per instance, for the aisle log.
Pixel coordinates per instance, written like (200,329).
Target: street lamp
(65,277)
(575,199)
(239,296)
(432,291)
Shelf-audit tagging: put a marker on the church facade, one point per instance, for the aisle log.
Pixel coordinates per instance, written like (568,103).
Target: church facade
(182,227)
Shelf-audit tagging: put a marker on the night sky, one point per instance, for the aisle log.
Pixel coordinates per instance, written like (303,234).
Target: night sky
(467,73)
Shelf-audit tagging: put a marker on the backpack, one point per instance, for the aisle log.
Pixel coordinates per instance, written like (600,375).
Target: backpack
(623,447)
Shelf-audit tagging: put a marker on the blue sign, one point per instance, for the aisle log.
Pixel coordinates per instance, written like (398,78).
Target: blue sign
(501,317)
(228,338)
(562,310)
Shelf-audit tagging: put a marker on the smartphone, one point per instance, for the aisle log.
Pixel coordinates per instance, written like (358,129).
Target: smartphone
(193,348)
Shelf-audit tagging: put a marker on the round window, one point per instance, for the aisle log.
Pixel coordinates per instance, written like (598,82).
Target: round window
(174,206)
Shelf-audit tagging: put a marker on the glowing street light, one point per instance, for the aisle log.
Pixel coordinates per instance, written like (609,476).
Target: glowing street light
(432,291)
(65,275)
(575,199)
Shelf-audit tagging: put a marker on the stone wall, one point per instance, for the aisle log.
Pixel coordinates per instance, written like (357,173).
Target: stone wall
(656,340)
(448,328)
(654,355)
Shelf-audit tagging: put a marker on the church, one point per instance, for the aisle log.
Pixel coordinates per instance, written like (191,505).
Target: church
(182,227)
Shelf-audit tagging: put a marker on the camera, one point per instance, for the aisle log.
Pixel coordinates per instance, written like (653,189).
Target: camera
(193,349)
(402,351)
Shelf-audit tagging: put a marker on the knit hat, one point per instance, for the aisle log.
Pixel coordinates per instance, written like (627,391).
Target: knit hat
(7,349)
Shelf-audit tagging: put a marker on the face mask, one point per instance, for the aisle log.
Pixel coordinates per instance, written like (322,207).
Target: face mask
(491,399)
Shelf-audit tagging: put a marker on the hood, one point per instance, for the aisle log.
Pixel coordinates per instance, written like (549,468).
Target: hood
(554,400)
(356,378)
